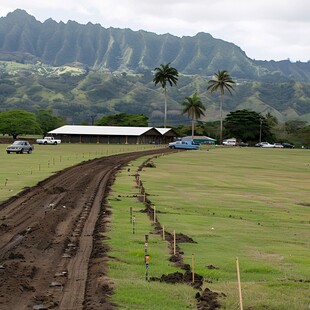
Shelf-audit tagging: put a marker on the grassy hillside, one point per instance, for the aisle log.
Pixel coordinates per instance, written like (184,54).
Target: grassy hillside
(77,94)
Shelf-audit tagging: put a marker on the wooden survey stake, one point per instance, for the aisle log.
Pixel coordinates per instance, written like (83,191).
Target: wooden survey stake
(193,269)
(174,242)
(146,257)
(239,284)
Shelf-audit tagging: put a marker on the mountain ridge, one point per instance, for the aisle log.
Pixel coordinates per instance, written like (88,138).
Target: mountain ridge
(78,70)
(115,49)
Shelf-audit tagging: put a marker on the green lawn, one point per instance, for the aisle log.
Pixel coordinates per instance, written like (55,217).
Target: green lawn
(248,203)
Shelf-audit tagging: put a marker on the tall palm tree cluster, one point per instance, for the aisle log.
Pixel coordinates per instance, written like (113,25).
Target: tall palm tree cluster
(193,106)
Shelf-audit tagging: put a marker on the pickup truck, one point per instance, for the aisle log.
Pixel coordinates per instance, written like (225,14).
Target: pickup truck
(48,140)
(185,145)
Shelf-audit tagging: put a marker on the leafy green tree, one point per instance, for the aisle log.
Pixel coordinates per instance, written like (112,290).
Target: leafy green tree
(221,81)
(17,122)
(48,121)
(302,137)
(194,109)
(123,119)
(247,126)
(164,74)
(294,126)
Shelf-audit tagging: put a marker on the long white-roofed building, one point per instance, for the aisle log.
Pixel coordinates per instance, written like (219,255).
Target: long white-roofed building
(113,134)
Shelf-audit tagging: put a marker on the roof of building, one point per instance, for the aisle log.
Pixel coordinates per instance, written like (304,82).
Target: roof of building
(200,138)
(107,130)
(167,132)
(163,130)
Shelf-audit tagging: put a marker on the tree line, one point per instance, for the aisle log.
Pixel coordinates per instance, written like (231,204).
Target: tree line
(19,122)
(245,125)
(192,105)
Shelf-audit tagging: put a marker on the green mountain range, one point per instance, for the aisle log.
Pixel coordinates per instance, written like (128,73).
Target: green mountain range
(82,71)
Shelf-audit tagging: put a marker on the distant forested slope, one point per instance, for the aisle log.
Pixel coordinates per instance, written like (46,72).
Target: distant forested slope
(79,94)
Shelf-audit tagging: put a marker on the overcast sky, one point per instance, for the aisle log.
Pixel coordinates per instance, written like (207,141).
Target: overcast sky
(264,29)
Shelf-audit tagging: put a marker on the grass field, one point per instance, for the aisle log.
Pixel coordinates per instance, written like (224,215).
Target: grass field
(23,170)
(249,203)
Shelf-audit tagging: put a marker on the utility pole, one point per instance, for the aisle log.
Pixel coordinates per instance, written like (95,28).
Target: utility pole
(260,130)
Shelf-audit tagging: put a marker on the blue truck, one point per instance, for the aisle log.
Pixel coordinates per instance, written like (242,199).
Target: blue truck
(184,144)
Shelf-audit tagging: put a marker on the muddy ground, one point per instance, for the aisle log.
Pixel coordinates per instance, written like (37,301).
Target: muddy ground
(52,254)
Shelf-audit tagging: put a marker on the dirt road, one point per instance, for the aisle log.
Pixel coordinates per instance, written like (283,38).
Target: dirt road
(51,250)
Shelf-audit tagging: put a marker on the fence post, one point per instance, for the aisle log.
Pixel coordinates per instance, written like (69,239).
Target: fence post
(193,269)
(146,257)
(174,242)
(133,224)
(239,284)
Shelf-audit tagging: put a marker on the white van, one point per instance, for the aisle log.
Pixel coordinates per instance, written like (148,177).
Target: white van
(231,141)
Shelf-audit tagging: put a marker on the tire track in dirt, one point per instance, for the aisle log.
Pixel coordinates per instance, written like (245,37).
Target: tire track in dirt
(54,224)
(73,296)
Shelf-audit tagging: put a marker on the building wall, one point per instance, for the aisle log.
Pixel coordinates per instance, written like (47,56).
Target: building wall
(144,139)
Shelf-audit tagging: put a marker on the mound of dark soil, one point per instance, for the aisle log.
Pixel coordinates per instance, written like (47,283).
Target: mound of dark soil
(178,277)
(150,164)
(208,300)
(181,238)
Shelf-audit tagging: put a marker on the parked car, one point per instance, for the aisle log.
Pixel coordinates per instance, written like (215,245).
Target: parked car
(231,142)
(264,144)
(278,145)
(243,144)
(20,147)
(267,144)
(288,145)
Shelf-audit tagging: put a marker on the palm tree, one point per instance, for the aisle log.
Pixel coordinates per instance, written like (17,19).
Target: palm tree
(164,74)
(271,120)
(194,109)
(221,81)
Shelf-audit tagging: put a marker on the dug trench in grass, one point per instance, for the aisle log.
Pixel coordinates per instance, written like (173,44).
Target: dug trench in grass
(205,300)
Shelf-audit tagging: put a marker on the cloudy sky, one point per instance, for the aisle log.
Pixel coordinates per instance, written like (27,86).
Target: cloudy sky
(264,29)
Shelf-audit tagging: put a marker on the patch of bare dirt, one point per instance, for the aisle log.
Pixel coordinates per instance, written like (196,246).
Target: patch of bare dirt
(208,300)
(179,277)
(52,254)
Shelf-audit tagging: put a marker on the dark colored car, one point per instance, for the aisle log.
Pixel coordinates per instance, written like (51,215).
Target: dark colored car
(243,144)
(20,147)
(288,145)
